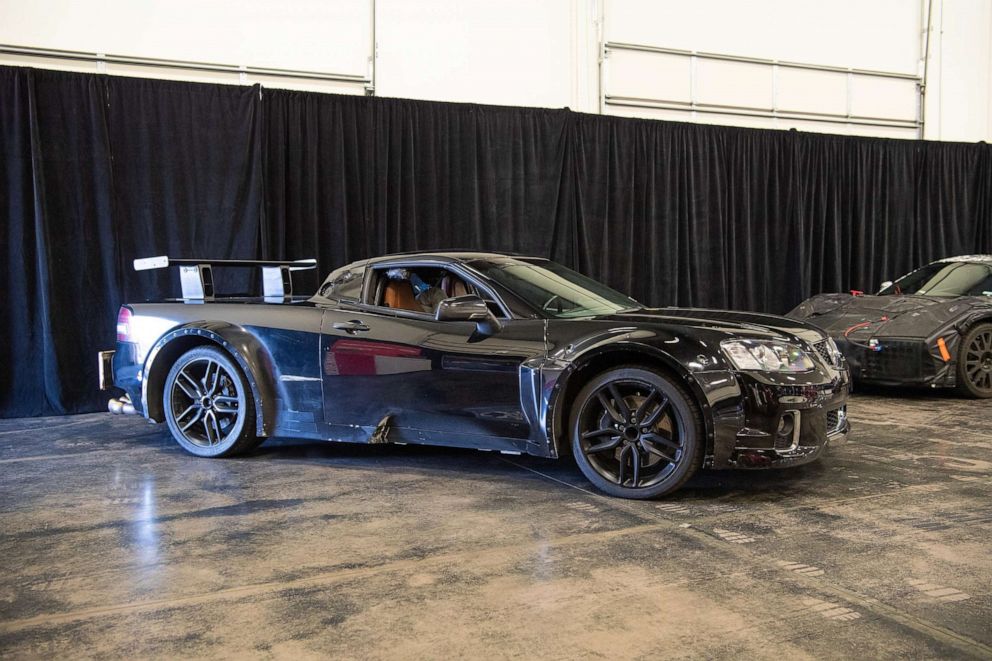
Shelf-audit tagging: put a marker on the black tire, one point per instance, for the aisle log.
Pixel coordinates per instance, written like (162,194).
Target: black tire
(656,424)
(208,404)
(975,362)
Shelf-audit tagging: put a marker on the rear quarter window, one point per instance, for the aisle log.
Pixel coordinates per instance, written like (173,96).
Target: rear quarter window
(345,285)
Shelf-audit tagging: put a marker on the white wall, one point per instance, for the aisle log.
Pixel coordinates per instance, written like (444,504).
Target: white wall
(959,80)
(546,53)
(507,52)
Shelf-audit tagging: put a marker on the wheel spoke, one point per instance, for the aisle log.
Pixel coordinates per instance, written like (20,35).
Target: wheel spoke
(645,403)
(211,427)
(655,415)
(608,431)
(192,407)
(655,450)
(211,376)
(658,439)
(623,464)
(603,446)
(635,460)
(225,404)
(612,412)
(188,385)
(192,421)
(619,403)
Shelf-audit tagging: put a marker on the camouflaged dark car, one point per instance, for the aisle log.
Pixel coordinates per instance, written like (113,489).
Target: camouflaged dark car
(932,327)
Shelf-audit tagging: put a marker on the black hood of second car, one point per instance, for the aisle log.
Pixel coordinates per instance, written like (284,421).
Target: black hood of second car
(886,316)
(728,322)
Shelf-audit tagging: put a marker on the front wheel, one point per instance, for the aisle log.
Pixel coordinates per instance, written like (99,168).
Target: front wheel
(975,362)
(636,433)
(208,404)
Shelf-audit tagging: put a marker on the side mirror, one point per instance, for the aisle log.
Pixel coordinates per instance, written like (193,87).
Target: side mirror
(468,308)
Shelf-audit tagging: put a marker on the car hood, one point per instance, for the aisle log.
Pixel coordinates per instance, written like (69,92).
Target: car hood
(726,322)
(886,316)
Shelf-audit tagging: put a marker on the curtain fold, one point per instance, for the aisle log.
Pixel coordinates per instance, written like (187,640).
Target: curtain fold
(465,176)
(187,177)
(318,180)
(98,170)
(60,274)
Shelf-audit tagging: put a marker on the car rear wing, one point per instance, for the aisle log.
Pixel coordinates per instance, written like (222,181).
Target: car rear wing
(197,280)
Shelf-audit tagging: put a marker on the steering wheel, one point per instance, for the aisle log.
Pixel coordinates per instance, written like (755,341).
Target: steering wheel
(547,303)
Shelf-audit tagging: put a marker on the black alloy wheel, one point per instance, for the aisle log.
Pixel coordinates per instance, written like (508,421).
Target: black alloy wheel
(208,404)
(975,362)
(636,433)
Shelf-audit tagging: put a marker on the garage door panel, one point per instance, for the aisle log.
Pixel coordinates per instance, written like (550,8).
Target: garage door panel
(639,74)
(812,91)
(892,98)
(728,83)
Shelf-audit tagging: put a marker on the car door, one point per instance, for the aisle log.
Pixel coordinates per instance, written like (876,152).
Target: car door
(423,380)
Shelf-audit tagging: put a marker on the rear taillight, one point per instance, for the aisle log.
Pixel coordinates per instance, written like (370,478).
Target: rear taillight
(124,325)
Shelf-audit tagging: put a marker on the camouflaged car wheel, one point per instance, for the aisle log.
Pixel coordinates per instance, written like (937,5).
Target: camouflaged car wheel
(975,362)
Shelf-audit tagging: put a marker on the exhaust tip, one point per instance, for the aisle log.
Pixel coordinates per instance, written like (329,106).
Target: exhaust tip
(122,406)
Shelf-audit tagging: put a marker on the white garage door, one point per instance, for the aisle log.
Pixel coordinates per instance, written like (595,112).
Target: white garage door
(842,67)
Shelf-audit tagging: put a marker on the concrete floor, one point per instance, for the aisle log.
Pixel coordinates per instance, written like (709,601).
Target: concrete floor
(114,542)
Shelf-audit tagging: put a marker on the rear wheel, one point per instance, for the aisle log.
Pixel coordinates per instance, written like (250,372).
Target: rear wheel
(636,433)
(975,362)
(208,404)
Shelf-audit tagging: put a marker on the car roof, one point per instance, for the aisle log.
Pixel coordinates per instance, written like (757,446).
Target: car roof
(968,258)
(448,256)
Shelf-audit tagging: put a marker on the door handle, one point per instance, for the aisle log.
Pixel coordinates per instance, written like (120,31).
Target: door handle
(351,326)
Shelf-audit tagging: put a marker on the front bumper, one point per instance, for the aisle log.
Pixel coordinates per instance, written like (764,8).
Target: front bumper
(901,361)
(777,424)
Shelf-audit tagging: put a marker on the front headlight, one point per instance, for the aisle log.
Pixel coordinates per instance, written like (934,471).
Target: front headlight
(766,356)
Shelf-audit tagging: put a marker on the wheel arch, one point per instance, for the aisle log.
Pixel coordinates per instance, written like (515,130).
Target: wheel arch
(972,320)
(239,344)
(598,361)
(962,379)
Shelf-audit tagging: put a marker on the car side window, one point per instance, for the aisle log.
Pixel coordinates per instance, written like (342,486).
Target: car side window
(421,288)
(983,284)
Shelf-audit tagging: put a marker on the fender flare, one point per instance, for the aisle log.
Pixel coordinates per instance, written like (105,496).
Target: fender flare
(627,346)
(253,359)
(976,317)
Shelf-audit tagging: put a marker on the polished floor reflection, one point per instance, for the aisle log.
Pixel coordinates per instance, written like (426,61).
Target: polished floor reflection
(116,543)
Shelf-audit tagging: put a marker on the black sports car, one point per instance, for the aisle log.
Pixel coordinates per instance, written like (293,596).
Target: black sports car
(474,350)
(932,327)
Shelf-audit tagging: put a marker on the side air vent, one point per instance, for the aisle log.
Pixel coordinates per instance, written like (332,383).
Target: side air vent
(824,348)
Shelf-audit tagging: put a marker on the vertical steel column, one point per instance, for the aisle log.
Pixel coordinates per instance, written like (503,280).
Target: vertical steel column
(373,52)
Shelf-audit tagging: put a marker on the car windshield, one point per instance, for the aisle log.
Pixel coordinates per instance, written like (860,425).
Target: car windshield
(945,279)
(557,291)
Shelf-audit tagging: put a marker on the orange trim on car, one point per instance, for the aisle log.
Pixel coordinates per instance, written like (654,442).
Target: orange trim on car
(944,353)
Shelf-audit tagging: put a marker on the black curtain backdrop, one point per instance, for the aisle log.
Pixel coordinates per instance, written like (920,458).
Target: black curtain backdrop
(99,170)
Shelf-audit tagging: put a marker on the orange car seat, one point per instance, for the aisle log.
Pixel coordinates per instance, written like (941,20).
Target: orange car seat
(452,285)
(398,294)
